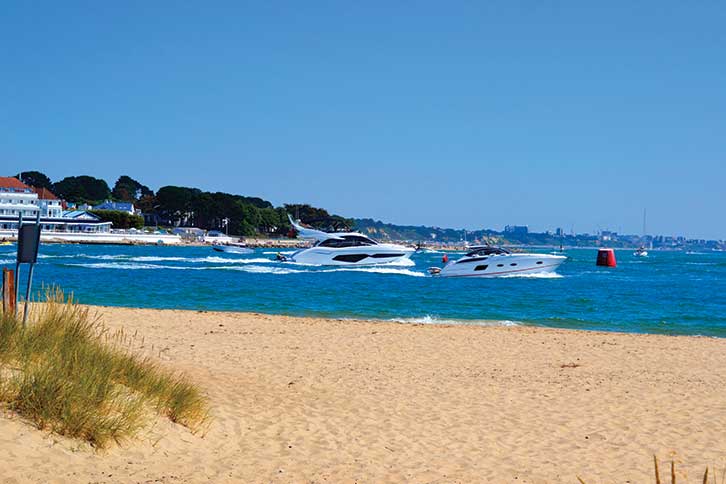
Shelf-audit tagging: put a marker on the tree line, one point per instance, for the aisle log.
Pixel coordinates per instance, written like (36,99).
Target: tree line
(186,206)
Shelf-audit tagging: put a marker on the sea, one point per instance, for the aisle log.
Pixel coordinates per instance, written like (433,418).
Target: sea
(668,292)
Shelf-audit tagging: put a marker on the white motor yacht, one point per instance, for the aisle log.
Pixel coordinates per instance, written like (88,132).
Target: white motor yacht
(345,249)
(488,261)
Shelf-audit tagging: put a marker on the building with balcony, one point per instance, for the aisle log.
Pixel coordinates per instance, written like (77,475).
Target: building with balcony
(17,198)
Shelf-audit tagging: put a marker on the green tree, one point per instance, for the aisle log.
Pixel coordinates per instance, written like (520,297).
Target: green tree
(82,189)
(175,203)
(35,179)
(269,220)
(318,217)
(146,204)
(119,219)
(126,189)
(244,228)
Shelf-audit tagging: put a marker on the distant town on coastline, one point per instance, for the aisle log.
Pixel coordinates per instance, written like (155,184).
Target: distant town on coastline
(88,204)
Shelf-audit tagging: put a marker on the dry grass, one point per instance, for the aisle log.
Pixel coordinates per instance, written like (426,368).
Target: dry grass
(673,475)
(65,373)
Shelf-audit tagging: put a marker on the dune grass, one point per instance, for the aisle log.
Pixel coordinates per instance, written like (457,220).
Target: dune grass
(673,475)
(66,373)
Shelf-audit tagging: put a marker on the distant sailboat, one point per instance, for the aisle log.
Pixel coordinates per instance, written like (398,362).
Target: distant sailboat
(642,251)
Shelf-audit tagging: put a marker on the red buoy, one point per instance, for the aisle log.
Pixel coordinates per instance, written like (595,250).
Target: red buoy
(445,258)
(606,257)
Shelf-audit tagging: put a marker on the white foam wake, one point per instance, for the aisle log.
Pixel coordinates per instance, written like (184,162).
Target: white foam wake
(537,275)
(152,258)
(261,269)
(120,265)
(205,260)
(405,262)
(378,270)
(435,320)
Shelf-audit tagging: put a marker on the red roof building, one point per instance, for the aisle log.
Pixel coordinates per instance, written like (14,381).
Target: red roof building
(10,182)
(44,194)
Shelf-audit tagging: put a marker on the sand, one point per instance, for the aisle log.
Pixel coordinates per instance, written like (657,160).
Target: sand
(315,400)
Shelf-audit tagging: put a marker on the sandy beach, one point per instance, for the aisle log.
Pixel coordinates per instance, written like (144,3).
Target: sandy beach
(315,400)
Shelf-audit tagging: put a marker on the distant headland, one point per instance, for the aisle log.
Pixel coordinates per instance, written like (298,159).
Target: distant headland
(129,204)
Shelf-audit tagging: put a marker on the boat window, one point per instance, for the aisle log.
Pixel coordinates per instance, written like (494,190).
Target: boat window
(500,265)
(331,243)
(473,259)
(350,257)
(539,262)
(347,241)
(359,240)
(481,267)
(513,264)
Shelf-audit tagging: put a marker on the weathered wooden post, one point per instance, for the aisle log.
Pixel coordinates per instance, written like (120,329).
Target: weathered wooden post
(9,296)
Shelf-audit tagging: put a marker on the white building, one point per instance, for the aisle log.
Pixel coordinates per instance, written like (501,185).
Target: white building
(50,205)
(16,197)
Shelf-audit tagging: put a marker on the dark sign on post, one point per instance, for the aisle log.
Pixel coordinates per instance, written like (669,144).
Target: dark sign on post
(28,242)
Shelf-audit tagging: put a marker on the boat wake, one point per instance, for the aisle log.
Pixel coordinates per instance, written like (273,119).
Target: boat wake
(259,269)
(540,275)
(250,265)
(377,270)
(128,258)
(120,265)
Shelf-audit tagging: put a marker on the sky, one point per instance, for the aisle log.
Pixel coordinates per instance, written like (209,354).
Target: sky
(455,114)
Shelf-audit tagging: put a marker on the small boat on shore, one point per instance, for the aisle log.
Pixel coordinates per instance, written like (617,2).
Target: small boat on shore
(488,261)
(239,249)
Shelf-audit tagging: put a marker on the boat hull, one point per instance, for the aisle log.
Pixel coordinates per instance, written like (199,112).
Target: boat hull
(228,249)
(499,265)
(352,256)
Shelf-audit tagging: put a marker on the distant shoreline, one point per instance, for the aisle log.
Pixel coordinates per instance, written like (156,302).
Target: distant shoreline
(127,239)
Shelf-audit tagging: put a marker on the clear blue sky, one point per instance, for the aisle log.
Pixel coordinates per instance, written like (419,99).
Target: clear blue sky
(457,114)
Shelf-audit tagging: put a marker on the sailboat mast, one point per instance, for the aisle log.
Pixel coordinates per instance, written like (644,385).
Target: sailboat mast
(644,210)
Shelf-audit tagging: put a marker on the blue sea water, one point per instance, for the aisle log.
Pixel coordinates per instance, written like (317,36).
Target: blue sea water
(668,292)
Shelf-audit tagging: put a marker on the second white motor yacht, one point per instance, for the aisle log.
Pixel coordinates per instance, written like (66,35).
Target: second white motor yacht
(345,249)
(487,261)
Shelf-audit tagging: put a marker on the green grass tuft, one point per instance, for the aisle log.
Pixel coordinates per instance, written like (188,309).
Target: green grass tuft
(65,373)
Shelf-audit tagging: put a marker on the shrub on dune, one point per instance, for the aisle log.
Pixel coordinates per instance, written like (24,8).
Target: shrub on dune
(65,373)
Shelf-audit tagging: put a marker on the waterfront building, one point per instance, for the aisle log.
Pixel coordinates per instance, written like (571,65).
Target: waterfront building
(17,198)
(127,207)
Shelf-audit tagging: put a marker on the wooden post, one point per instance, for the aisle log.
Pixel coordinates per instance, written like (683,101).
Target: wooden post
(9,297)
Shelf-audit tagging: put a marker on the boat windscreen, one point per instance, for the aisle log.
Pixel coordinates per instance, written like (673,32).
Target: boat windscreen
(487,251)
